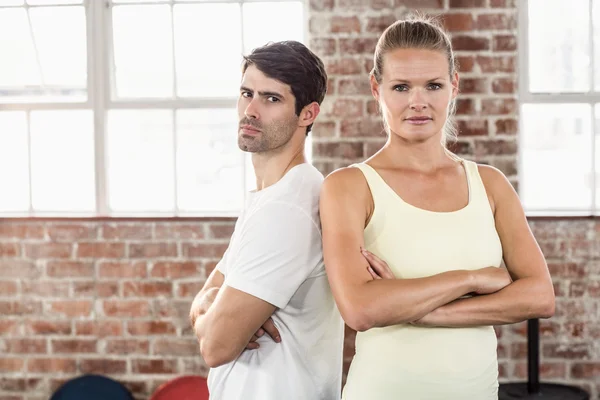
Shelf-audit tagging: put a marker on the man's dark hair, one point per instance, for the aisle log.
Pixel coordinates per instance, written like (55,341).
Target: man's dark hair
(295,65)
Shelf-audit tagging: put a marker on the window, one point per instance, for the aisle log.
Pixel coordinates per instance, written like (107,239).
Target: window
(559,46)
(128,107)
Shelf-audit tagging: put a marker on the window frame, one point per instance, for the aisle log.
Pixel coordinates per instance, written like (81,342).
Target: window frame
(526,97)
(101,98)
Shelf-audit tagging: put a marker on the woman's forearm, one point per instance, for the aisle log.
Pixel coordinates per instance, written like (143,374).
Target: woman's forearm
(388,302)
(523,299)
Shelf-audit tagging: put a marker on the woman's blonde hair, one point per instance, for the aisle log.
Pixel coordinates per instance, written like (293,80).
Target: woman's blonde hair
(418,32)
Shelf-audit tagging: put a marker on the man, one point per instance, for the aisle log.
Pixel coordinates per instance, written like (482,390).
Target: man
(272,277)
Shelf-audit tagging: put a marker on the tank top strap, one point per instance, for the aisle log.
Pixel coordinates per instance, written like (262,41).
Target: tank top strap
(477,192)
(379,189)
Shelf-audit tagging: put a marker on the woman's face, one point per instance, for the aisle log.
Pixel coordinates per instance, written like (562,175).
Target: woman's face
(415,92)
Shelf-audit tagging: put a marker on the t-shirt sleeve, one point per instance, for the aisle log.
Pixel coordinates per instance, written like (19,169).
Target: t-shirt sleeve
(277,250)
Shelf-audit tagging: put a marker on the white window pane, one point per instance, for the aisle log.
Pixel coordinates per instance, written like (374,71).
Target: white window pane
(14,162)
(139,159)
(12,2)
(556,157)
(62,51)
(209,161)
(40,62)
(597,158)
(62,160)
(140,1)
(52,2)
(272,22)
(143,51)
(557,57)
(196,74)
(596,18)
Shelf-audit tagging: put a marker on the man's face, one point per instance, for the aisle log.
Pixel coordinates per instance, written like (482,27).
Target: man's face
(267,113)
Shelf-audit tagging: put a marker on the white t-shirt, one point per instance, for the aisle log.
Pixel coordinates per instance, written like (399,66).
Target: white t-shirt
(275,254)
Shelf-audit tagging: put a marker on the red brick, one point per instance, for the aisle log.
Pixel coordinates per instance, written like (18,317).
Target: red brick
(101,250)
(343,66)
(330,86)
(465,106)
(354,86)
(47,327)
(518,350)
(507,165)
(323,46)
(567,270)
(127,346)
(419,3)
(474,85)
(11,364)
(21,307)
(147,289)
(362,128)
(470,43)
(465,63)
(467,3)
(224,231)
(9,327)
(339,149)
(473,127)
(71,308)
(178,231)
(48,250)
(176,270)
(152,250)
(72,232)
(373,108)
(358,45)
(379,24)
(26,346)
(503,3)
(498,106)
(491,147)
(102,366)
(8,288)
(548,370)
(322,129)
(69,269)
(51,365)
(99,328)
(129,231)
(567,351)
(504,85)
(144,328)
(175,347)
(19,384)
(492,64)
(504,43)
(156,366)
(364,4)
(99,289)
(507,126)
(346,108)
(18,269)
(126,308)
(74,346)
(204,250)
(458,22)
(585,370)
(10,250)
(127,269)
(369,64)
(497,21)
(45,288)
(189,289)
(372,147)
(21,231)
(461,147)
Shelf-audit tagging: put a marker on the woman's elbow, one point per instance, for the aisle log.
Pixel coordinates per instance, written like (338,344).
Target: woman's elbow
(357,317)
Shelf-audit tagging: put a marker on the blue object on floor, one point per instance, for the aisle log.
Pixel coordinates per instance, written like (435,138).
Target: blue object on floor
(92,387)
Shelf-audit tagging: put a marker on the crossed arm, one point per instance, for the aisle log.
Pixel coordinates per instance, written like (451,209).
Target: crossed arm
(366,302)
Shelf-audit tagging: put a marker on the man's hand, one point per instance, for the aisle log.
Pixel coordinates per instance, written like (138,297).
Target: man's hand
(202,303)
(268,327)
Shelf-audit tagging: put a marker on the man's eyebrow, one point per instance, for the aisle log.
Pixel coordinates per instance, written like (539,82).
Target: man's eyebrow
(262,93)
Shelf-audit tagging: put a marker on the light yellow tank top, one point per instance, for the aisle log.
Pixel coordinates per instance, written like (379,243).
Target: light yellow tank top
(406,362)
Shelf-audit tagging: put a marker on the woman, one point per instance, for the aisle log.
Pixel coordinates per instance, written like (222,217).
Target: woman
(442,224)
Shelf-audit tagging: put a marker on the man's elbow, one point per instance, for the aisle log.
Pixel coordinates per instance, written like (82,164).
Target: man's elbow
(215,354)
(547,307)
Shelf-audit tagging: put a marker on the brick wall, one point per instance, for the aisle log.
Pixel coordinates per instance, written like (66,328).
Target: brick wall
(112,297)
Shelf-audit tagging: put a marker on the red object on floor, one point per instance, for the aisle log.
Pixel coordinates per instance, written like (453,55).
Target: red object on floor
(190,387)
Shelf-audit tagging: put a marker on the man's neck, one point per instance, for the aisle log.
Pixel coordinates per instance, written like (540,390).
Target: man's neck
(269,168)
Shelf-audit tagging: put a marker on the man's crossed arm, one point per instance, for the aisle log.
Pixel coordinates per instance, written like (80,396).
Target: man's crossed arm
(226,321)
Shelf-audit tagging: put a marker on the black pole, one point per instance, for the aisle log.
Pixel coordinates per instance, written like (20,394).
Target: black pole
(533,355)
